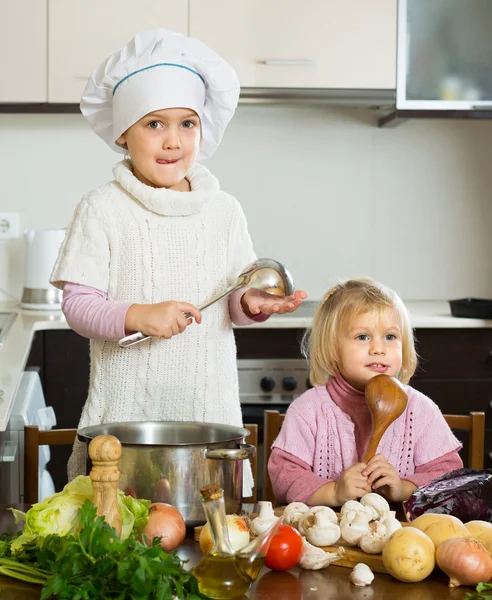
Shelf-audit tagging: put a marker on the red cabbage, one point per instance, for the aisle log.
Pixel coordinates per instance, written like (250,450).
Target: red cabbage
(464,493)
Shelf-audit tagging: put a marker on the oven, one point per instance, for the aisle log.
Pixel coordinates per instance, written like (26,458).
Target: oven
(269,383)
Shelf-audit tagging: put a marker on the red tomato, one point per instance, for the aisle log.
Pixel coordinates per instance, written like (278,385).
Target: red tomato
(285,549)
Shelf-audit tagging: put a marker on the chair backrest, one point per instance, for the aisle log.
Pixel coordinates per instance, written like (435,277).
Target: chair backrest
(252,439)
(474,423)
(34,437)
(272,423)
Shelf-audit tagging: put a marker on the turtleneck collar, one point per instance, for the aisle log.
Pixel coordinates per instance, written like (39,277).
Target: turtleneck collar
(204,187)
(339,387)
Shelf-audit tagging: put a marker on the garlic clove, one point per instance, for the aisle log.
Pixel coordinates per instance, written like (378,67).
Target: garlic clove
(314,558)
(361,575)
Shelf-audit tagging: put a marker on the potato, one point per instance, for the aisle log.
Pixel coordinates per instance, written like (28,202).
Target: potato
(409,555)
(440,527)
(481,530)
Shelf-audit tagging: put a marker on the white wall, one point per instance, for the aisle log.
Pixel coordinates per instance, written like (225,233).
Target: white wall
(325,191)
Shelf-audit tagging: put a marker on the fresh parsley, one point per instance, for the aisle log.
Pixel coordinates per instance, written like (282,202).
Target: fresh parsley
(481,587)
(97,565)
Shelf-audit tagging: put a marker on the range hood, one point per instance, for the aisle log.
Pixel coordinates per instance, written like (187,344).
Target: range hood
(354,98)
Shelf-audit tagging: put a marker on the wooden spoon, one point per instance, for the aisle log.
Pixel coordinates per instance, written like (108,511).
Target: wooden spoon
(387,399)
(105,451)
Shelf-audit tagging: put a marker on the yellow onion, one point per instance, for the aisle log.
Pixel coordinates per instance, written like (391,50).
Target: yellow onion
(237,529)
(165,522)
(464,560)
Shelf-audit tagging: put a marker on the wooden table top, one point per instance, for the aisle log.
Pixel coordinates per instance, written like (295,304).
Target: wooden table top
(296,584)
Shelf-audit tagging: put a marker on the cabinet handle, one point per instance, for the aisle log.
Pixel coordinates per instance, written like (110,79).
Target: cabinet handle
(287,63)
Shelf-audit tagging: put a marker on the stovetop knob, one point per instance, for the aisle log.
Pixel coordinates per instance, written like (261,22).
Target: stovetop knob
(289,383)
(267,384)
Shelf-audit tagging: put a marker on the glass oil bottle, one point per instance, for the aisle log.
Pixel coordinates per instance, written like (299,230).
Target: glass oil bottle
(224,574)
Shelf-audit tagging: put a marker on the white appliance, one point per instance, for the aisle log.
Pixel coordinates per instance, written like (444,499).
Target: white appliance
(29,408)
(42,246)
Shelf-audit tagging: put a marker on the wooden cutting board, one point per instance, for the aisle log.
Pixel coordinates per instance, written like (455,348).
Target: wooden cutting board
(350,558)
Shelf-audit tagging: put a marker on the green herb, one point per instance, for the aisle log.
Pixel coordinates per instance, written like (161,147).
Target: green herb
(98,565)
(481,587)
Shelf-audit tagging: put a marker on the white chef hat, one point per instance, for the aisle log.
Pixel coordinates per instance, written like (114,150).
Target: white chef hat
(161,69)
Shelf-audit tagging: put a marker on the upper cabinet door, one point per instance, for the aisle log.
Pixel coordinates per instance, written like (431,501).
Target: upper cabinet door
(23,43)
(82,33)
(444,55)
(310,44)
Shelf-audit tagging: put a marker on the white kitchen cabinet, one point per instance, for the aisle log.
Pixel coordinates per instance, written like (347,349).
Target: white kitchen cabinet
(349,44)
(82,33)
(23,39)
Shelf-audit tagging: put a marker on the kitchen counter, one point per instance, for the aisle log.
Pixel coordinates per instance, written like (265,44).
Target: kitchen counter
(17,344)
(296,584)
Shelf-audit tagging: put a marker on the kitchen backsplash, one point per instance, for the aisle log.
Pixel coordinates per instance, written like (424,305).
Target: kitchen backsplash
(325,191)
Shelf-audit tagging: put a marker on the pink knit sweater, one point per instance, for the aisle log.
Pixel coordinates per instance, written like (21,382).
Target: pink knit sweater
(327,429)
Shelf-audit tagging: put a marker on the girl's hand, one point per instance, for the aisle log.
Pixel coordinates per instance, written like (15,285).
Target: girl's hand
(353,484)
(255,302)
(383,477)
(164,319)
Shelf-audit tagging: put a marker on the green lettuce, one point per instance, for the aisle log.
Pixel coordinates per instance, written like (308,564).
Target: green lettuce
(58,514)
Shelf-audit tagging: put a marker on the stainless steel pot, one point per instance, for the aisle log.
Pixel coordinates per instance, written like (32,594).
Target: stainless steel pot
(170,461)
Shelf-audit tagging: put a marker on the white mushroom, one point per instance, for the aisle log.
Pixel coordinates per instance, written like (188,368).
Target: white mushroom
(313,558)
(392,524)
(353,526)
(373,542)
(351,505)
(265,519)
(377,503)
(361,575)
(318,526)
(293,512)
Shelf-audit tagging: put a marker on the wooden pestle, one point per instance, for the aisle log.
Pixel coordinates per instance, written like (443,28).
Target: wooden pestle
(387,399)
(105,451)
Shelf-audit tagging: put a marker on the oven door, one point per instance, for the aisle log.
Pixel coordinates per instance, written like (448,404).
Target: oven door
(268,384)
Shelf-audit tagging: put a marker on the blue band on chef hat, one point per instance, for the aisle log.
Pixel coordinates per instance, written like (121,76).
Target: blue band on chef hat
(157,65)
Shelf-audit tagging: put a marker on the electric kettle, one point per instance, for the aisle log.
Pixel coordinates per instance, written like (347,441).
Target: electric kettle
(42,246)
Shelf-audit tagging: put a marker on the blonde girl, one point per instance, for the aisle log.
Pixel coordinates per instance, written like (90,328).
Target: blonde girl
(361,329)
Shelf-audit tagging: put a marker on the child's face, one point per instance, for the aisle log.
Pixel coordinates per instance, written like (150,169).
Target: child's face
(371,345)
(163,147)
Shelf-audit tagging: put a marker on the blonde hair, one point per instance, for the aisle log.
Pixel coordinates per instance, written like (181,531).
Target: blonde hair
(341,304)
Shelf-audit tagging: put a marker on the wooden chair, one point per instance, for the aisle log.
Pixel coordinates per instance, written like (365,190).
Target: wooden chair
(252,439)
(34,437)
(474,423)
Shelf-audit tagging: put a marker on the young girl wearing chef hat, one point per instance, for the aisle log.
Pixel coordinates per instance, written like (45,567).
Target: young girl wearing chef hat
(361,329)
(144,249)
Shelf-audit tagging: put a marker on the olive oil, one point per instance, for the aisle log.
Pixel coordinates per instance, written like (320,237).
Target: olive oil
(224,574)
(219,576)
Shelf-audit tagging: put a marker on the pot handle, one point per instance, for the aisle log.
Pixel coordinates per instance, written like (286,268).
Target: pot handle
(242,453)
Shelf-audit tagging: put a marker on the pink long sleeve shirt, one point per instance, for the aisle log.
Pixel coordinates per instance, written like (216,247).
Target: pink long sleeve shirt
(327,430)
(92,314)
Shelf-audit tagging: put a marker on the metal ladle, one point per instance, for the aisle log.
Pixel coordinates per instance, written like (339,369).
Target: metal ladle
(264,274)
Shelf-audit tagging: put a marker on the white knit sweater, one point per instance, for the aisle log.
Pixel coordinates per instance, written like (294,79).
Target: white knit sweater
(146,245)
